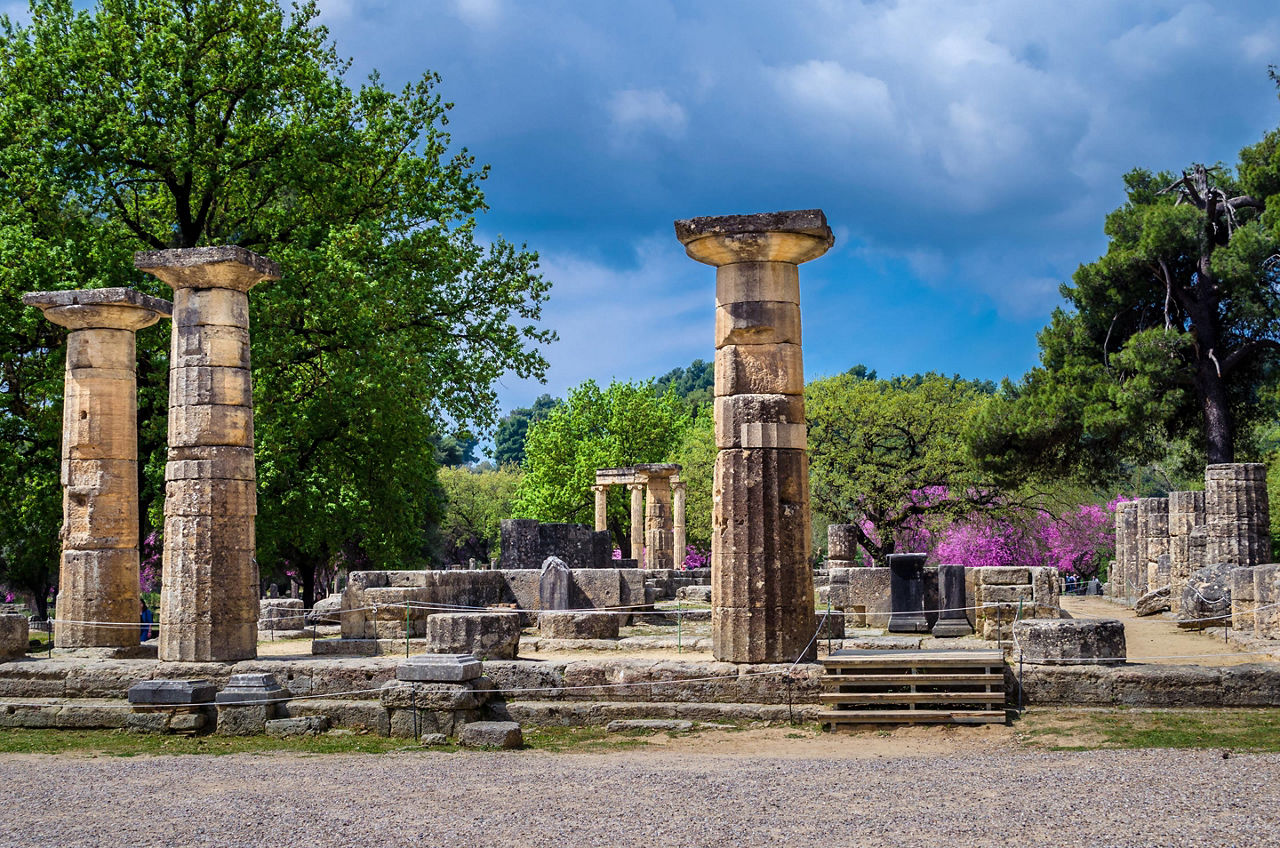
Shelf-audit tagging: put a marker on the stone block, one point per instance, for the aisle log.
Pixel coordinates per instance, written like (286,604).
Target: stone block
(762,635)
(244,719)
(221,462)
(758,282)
(196,307)
(491,734)
(251,688)
(906,593)
(1266,594)
(554,584)
(171,692)
(734,412)
(97,586)
(579,625)
(953,603)
(221,266)
(95,425)
(1155,601)
(209,425)
(842,543)
(1059,641)
(756,322)
(218,498)
(1243,599)
(300,726)
(1003,575)
(765,369)
(210,385)
(209,346)
(1206,597)
(281,614)
(1008,595)
(14,636)
(403,694)
(485,635)
(439,668)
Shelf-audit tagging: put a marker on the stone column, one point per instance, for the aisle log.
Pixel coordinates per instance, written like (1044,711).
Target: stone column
(602,507)
(1237,514)
(637,522)
(209,597)
(680,538)
(1186,541)
(1153,522)
(98,577)
(659,538)
(762,586)
(1126,526)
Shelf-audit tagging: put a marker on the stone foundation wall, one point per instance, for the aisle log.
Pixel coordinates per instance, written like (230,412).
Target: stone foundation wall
(527,543)
(1006,593)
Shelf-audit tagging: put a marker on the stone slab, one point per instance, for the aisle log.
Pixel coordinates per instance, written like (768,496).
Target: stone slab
(441,668)
(171,692)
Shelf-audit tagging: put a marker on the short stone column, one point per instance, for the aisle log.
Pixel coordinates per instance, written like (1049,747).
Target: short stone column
(762,586)
(1186,541)
(1237,514)
(906,593)
(637,522)
(602,507)
(659,538)
(953,613)
(209,596)
(98,577)
(679,533)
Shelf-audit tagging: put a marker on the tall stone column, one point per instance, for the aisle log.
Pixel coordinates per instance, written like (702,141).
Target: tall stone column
(1186,541)
(762,586)
(637,522)
(658,535)
(602,506)
(680,539)
(98,577)
(1153,523)
(1237,514)
(209,597)
(1126,533)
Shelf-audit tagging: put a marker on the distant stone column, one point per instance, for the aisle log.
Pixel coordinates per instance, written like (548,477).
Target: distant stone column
(1126,539)
(659,538)
(637,522)
(1153,523)
(1186,541)
(678,530)
(762,586)
(842,546)
(1237,514)
(209,597)
(602,507)
(98,577)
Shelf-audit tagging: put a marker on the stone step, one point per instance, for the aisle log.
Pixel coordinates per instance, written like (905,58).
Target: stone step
(579,713)
(834,718)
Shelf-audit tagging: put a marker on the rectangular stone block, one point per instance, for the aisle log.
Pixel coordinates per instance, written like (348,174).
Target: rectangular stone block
(210,463)
(207,345)
(216,497)
(210,425)
(101,349)
(759,370)
(756,281)
(993,594)
(1266,596)
(1003,575)
(171,692)
(758,322)
(99,504)
(734,412)
(225,307)
(210,385)
(203,533)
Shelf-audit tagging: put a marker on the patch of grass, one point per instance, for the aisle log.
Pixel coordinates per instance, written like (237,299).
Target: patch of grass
(124,743)
(1073,730)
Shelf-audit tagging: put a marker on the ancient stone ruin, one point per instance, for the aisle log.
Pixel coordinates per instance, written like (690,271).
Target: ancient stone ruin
(657,511)
(762,586)
(526,543)
(209,593)
(98,578)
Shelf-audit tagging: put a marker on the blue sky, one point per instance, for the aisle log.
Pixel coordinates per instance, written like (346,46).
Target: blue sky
(965,153)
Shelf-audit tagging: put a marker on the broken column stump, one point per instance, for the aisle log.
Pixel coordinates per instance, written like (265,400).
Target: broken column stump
(209,596)
(762,587)
(98,577)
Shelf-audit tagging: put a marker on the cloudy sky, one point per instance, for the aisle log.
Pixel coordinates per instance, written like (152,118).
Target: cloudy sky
(965,153)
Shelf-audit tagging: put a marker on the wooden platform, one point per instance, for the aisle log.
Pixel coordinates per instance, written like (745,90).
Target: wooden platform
(909,687)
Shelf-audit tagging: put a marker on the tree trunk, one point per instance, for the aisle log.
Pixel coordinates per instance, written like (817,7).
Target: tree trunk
(308,575)
(1219,428)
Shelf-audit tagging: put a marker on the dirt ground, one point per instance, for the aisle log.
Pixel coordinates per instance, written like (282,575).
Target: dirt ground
(1157,639)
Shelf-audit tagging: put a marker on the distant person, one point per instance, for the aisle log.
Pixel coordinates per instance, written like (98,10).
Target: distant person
(1095,587)
(1071,584)
(146,621)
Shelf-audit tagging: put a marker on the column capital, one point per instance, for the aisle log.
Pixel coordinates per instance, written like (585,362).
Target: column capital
(599,487)
(792,237)
(225,267)
(635,487)
(100,309)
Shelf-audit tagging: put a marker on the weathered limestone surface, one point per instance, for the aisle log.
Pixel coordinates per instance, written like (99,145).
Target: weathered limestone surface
(1124,580)
(98,577)
(554,585)
(1066,641)
(1244,599)
(1153,540)
(762,586)
(1206,597)
(1237,514)
(1186,541)
(208,601)
(1004,594)
(15,636)
(484,635)
(578,625)
(659,536)
(526,543)
(1266,595)
(247,703)
(1153,602)
(281,614)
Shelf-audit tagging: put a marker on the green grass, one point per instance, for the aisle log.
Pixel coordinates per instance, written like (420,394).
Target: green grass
(1072,730)
(125,743)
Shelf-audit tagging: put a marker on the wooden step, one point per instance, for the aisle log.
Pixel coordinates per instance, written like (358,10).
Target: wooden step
(838,717)
(910,679)
(912,698)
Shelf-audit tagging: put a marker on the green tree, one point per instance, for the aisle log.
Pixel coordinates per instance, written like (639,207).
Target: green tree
(694,384)
(475,504)
(1171,333)
(175,123)
(513,429)
(887,454)
(625,424)
(697,458)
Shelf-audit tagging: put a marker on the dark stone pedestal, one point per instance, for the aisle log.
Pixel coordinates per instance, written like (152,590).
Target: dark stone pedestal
(953,620)
(906,594)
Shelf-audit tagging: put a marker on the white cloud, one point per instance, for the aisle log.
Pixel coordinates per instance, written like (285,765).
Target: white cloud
(478,13)
(835,92)
(647,109)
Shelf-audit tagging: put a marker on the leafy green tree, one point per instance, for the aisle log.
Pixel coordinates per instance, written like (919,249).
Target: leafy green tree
(475,504)
(886,454)
(625,424)
(697,458)
(513,429)
(695,384)
(1172,332)
(176,123)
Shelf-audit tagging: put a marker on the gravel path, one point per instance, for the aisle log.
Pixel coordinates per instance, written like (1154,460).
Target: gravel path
(1139,798)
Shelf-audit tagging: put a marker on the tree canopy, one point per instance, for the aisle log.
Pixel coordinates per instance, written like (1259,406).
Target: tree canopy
(176,123)
(624,424)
